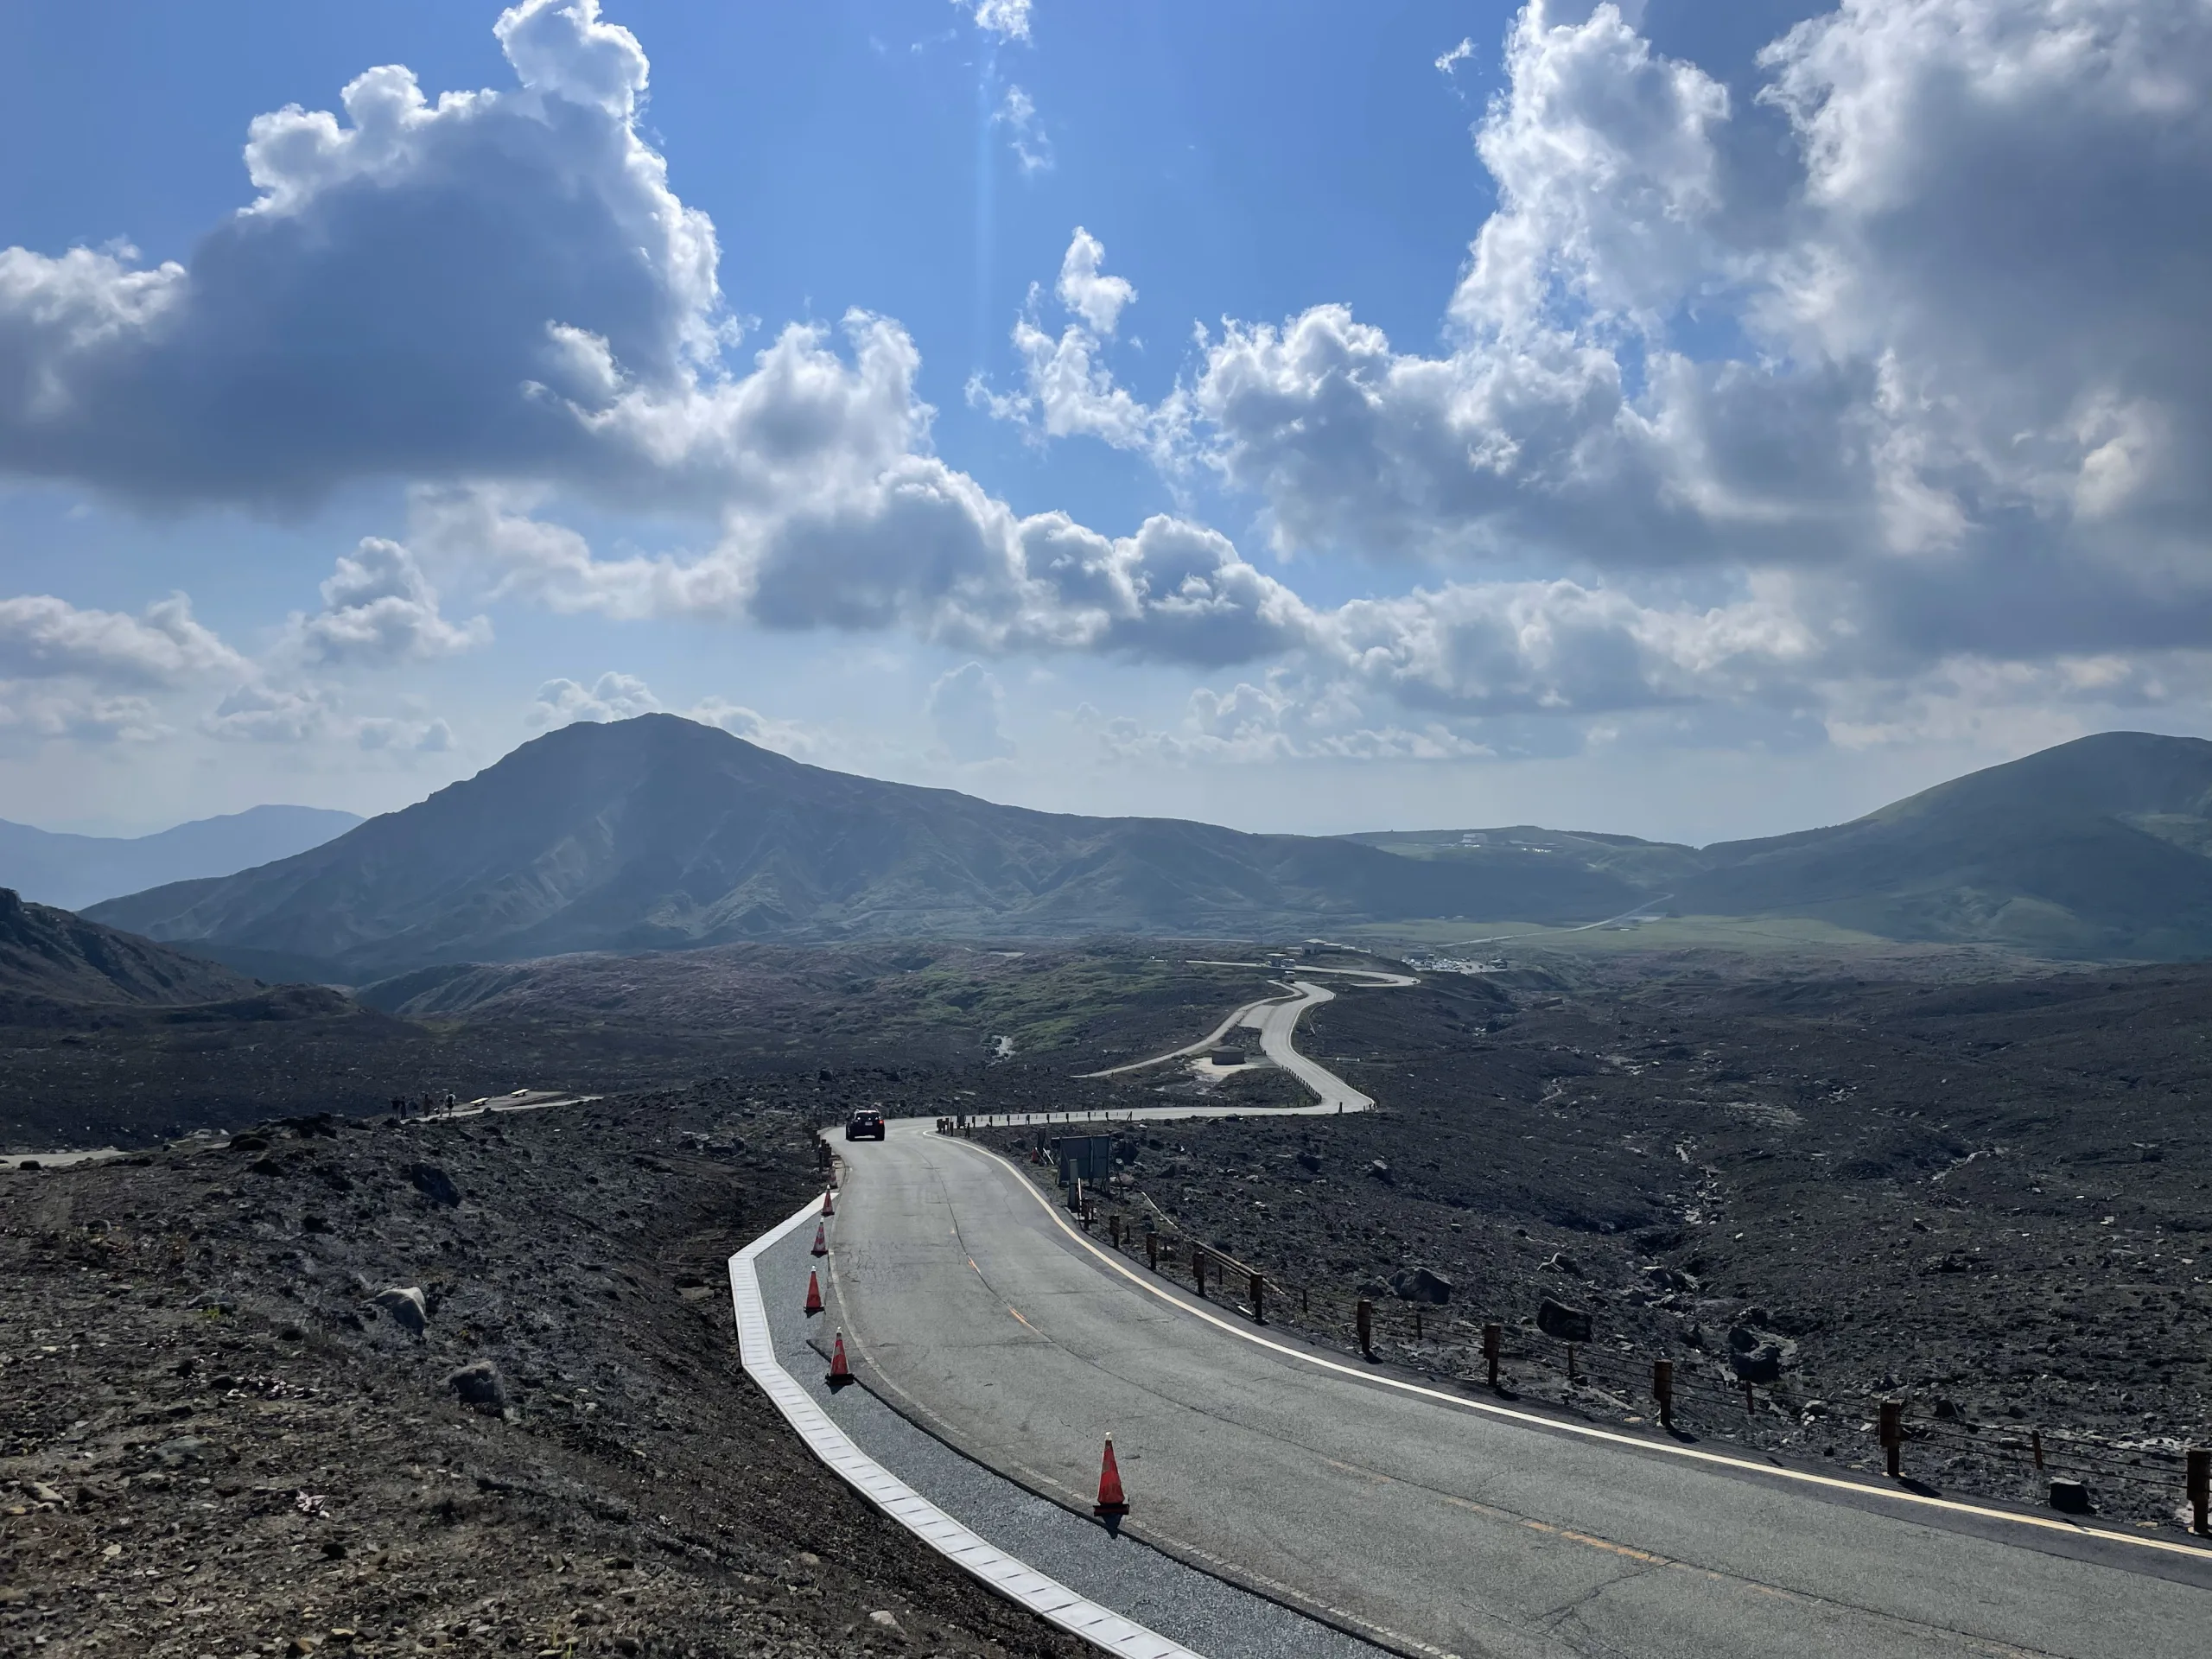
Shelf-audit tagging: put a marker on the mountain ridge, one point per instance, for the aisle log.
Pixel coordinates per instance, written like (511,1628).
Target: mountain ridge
(658,833)
(73,872)
(51,957)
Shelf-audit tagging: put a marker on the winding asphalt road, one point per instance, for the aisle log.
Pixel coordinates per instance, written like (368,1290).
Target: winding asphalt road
(1275,1018)
(1422,1518)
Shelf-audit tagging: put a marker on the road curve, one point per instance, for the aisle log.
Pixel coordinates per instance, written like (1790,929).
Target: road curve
(1275,1018)
(1431,1525)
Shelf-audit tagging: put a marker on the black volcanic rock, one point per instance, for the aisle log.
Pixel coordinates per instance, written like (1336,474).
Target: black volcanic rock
(659,833)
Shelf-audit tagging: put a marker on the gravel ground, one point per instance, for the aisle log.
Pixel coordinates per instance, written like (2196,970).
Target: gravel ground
(216,1443)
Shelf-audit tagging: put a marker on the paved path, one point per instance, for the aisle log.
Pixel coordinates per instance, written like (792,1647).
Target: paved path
(1184,1605)
(1275,1018)
(1425,1522)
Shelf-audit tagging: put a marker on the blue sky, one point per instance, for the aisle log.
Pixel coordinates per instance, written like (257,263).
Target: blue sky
(1689,421)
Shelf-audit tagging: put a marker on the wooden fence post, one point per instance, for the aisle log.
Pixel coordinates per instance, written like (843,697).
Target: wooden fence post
(1493,1341)
(1662,1391)
(1892,1436)
(1363,1320)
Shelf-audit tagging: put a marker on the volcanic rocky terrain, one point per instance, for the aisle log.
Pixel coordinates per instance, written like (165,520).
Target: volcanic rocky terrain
(1989,1200)
(354,1387)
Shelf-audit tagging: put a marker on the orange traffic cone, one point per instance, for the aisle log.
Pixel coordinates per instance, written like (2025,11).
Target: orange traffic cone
(1111,1506)
(821,1247)
(839,1372)
(828,1207)
(813,1294)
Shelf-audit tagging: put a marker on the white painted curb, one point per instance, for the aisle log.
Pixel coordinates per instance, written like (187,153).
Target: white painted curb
(1045,1596)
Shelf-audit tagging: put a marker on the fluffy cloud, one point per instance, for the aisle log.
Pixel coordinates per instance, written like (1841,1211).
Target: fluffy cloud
(612,696)
(33,712)
(95,676)
(377,608)
(625,696)
(264,710)
(1086,290)
(1068,391)
(260,712)
(1288,717)
(421,289)
(924,549)
(41,637)
(1025,133)
(1885,362)
(967,708)
(1007,20)
(1956,361)
(431,736)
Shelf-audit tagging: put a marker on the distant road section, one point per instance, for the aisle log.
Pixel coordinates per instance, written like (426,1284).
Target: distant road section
(1275,1018)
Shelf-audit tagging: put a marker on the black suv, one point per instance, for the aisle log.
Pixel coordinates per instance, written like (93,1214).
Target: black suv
(864,1125)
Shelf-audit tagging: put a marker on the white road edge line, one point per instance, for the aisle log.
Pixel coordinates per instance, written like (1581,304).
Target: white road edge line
(1803,1477)
(1049,1599)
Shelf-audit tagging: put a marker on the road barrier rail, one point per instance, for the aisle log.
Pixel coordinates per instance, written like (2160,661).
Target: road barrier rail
(1692,1392)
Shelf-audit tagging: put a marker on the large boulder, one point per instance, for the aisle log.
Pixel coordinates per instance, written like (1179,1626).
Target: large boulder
(1564,1322)
(434,1184)
(1420,1285)
(480,1384)
(406,1307)
(1759,1356)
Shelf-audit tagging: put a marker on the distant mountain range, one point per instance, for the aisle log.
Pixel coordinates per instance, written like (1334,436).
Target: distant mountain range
(75,871)
(658,833)
(2100,848)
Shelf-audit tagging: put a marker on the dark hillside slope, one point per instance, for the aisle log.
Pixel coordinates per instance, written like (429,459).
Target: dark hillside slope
(2091,849)
(659,833)
(49,956)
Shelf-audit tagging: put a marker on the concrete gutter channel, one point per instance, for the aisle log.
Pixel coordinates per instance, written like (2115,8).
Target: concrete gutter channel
(1118,1593)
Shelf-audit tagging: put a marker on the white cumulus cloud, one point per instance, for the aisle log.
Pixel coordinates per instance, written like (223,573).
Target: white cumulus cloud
(1881,361)
(967,708)
(1025,133)
(42,637)
(1006,20)
(378,607)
